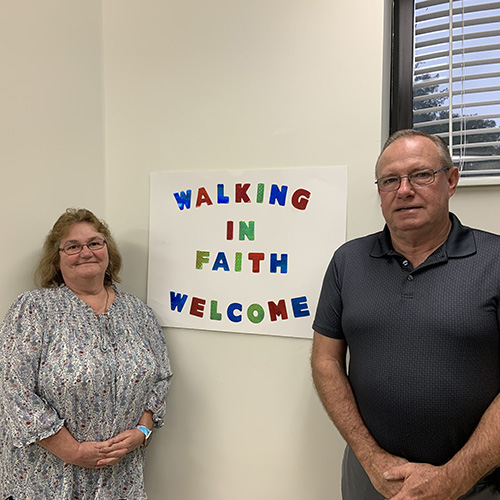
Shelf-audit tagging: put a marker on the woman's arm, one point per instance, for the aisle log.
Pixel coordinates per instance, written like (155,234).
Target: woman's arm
(96,454)
(125,442)
(156,401)
(90,454)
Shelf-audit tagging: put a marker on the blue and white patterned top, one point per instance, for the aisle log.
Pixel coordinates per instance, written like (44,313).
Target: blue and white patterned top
(63,364)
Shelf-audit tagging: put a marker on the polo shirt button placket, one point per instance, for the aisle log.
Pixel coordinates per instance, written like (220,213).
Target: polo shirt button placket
(408,287)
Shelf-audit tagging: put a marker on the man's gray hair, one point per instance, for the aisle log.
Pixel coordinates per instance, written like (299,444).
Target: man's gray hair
(443,150)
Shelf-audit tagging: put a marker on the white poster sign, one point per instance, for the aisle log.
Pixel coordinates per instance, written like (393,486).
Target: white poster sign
(243,251)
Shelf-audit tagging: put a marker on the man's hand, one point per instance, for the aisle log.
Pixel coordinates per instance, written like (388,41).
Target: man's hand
(424,482)
(376,465)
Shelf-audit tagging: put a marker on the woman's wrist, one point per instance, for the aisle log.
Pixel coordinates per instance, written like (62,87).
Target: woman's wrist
(147,434)
(146,419)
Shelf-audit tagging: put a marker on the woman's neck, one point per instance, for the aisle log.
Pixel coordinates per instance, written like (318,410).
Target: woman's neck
(97,296)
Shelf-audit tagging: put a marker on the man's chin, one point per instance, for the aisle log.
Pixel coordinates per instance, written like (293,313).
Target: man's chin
(409,221)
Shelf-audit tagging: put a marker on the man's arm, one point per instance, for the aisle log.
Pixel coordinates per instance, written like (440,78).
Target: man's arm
(328,362)
(478,457)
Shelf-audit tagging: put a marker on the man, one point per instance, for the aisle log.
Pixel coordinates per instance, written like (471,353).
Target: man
(418,307)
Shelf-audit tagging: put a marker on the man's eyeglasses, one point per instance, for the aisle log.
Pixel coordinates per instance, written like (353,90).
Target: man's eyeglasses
(417,178)
(74,248)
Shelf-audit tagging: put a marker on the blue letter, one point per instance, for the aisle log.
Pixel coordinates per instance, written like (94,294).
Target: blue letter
(220,261)
(220,195)
(230,312)
(176,301)
(277,195)
(299,306)
(282,264)
(183,199)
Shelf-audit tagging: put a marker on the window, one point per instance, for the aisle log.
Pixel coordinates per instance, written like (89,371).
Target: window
(446,78)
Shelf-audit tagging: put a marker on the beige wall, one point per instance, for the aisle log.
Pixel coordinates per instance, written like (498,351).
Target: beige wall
(235,85)
(51,127)
(99,94)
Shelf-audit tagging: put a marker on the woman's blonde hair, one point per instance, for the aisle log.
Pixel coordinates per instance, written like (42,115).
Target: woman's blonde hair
(47,272)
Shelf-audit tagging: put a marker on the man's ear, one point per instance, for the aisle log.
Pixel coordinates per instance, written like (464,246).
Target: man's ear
(453,177)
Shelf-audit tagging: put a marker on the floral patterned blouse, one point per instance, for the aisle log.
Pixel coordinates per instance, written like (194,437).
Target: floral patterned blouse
(64,365)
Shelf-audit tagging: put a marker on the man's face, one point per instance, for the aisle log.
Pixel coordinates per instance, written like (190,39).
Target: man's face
(415,208)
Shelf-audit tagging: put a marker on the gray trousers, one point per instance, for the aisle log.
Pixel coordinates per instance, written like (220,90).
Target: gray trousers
(357,486)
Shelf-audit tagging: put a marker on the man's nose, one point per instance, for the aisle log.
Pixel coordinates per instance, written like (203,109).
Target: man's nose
(405,185)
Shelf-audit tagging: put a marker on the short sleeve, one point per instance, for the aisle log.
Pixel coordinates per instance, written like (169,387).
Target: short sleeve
(328,319)
(27,416)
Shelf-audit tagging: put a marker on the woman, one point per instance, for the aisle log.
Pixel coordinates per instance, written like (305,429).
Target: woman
(84,374)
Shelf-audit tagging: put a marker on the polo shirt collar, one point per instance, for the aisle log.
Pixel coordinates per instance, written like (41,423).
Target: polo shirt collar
(460,241)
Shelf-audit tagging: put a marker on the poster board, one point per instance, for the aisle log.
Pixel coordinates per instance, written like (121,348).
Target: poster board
(243,251)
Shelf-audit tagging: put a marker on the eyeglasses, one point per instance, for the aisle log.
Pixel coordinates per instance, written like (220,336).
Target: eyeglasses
(75,248)
(417,178)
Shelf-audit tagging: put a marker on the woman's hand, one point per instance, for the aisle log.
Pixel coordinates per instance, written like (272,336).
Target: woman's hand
(91,454)
(117,447)
(96,455)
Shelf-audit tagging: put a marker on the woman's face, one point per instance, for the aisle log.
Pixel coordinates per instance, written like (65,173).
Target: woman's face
(88,265)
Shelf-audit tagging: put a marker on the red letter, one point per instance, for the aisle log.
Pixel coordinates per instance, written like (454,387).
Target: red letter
(197,307)
(255,258)
(278,309)
(300,199)
(241,193)
(229,231)
(203,197)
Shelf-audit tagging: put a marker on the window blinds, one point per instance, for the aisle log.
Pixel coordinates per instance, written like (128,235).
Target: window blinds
(456,79)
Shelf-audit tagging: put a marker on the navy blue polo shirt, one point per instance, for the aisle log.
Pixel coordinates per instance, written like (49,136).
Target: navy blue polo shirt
(424,343)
